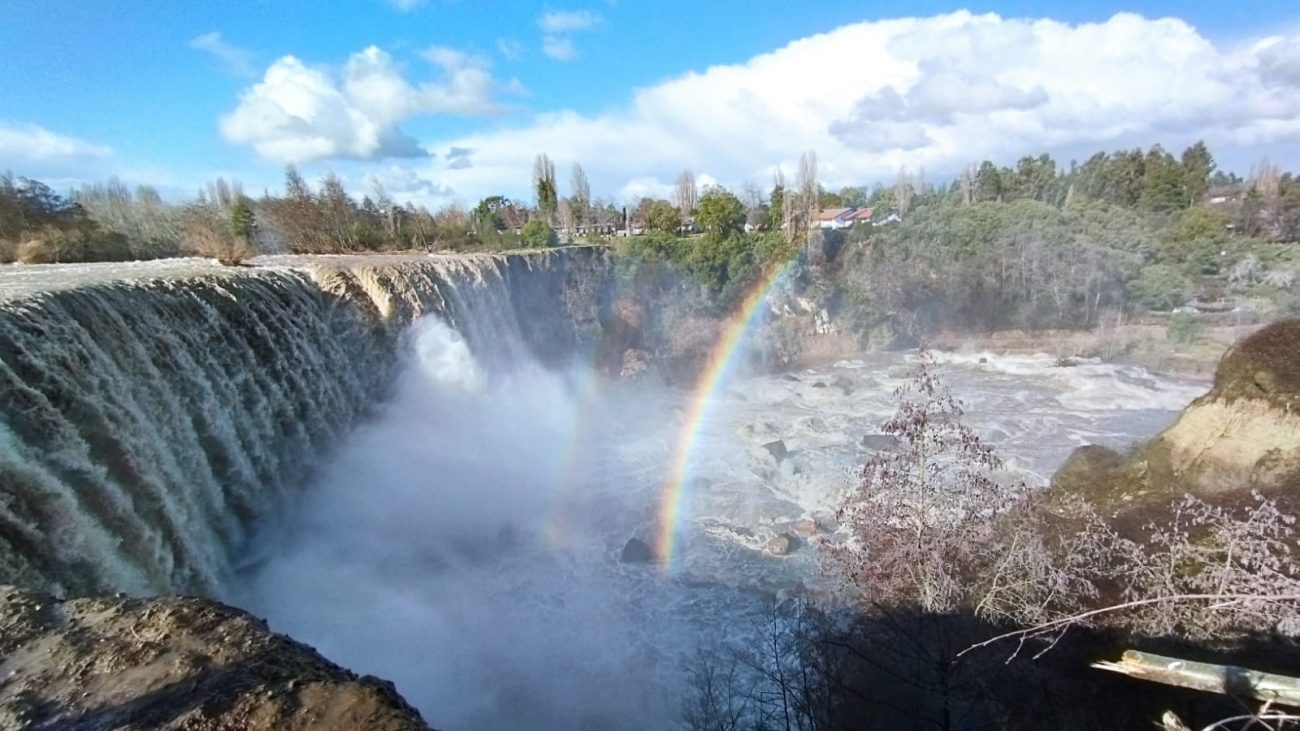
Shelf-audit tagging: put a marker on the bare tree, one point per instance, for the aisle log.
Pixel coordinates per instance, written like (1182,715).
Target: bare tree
(564,216)
(904,192)
(685,195)
(967,186)
(923,511)
(809,190)
(580,200)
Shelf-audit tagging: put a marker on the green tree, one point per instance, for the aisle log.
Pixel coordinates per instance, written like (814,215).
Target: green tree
(1162,287)
(662,217)
(1164,182)
(537,234)
(1198,166)
(719,211)
(548,196)
(242,219)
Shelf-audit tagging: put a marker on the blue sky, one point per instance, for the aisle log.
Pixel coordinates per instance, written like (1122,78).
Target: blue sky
(174,94)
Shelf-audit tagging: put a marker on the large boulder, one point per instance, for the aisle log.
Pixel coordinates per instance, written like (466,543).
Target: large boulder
(880,442)
(782,545)
(777,449)
(174,663)
(1242,436)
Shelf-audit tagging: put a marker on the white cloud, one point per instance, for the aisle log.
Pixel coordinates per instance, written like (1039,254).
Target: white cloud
(559,48)
(406,6)
(237,60)
(937,92)
(29,149)
(557,26)
(299,113)
(567,21)
(404,184)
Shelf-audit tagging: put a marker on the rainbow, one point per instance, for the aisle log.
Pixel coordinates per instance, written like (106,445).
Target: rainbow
(716,368)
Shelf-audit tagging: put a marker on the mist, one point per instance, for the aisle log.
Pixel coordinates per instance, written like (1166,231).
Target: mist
(465,542)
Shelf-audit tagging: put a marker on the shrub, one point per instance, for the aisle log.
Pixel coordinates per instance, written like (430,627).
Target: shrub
(537,234)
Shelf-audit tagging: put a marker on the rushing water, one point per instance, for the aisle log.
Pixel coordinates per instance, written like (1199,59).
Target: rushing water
(408,463)
(465,542)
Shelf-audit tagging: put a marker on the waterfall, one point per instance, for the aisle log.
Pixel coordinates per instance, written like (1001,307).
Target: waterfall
(148,421)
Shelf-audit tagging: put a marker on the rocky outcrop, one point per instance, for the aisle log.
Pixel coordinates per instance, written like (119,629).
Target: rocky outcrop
(174,663)
(1241,437)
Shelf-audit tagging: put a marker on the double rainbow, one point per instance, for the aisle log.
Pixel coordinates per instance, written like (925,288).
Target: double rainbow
(720,362)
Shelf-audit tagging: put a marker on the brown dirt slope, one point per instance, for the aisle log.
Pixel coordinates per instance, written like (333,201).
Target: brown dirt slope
(173,663)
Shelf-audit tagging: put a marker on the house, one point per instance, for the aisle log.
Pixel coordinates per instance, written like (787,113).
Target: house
(891,217)
(842,218)
(861,215)
(835,218)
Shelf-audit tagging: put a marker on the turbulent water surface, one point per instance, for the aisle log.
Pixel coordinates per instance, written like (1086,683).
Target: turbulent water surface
(408,463)
(465,543)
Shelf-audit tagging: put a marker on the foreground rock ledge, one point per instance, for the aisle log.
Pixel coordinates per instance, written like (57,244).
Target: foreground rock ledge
(173,663)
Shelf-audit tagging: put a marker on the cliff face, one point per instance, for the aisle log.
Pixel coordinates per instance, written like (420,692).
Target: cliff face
(174,663)
(1242,436)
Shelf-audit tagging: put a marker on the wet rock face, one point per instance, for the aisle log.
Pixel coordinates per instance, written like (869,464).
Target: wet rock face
(174,663)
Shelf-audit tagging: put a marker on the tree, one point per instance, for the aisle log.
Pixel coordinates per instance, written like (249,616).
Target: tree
(486,217)
(1198,166)
(904,193)
(242,220)
(661,217)
(536,234)
(809,190)
(1164,182)
(924,509)
(720,211)
(685,195)
(544,186)
(776,210)
(580,200)
(988,183)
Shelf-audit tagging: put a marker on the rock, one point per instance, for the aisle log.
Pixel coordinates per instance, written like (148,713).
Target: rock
(173,663)
(1240,438)
(1066,363)
(777,450)
(635,363)
(806,527)
(843,384)
(636,551)
(984,360)
(900,371)
(880,442)
(791,377)
(819,384)
(782,545)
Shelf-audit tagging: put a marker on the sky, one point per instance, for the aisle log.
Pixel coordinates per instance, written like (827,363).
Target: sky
(451,100)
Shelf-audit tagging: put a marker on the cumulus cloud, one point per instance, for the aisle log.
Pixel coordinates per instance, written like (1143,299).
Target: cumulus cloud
(937,92)
(30,149)
(237,60)
(299,113)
